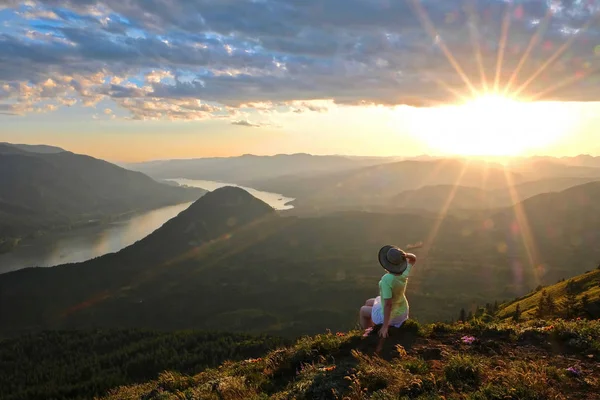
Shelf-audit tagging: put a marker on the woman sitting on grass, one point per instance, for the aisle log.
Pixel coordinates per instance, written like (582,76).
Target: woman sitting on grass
(390,308)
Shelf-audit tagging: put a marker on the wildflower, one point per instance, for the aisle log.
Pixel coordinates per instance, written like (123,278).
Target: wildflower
(340,334)
(468,339)
(574,371)
(328,369)
(253,360)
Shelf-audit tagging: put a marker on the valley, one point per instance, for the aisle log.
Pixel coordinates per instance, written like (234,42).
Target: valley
(79,244)
(254,262)
(298,276)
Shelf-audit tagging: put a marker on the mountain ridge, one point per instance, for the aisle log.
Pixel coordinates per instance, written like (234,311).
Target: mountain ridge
(35,148)
(65,189)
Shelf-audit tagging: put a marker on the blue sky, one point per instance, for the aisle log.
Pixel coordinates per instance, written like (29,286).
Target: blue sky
(268,73)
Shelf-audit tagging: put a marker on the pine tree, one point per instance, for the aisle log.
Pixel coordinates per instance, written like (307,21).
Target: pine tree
(550,304)
(496,306)
(470,317)
(488,308)
(517,316)
(585,305)
(541,310)
(571,305)
(463,315)
(571,287)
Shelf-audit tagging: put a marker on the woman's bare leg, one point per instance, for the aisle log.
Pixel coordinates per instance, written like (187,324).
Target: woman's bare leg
(370,302)
(365,317)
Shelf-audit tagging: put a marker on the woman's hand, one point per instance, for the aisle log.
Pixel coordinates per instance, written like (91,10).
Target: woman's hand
(383,332)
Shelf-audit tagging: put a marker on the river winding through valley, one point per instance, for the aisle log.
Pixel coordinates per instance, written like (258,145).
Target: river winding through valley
(82,244)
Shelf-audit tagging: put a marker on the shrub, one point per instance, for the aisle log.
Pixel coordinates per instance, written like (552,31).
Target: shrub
(463,371)
(441,327)
(503,392)
(416,366)
(413,326)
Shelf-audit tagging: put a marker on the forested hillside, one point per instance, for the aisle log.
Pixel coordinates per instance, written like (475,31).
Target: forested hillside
(82,364)
(60,190)
(576,297)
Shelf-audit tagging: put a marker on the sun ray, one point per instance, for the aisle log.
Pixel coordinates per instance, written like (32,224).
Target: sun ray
(433,101)
(441,216)
(428,25)
(506,20)
(532,42)
(434,173)
(557,54)
(565,82)
(460,96)
(474,33)
(522,226)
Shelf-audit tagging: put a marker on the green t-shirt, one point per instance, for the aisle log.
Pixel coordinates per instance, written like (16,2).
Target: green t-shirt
(394,287)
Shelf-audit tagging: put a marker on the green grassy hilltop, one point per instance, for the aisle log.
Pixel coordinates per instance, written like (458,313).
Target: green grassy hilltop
(506,360)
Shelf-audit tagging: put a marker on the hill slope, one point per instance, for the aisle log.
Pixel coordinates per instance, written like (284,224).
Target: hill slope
(496,361)
(540,168)
(453,197)
(230,262)
(533,359)
(574,297)
(42,191)
(84,364)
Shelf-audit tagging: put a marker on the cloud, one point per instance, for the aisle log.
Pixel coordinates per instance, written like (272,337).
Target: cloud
(245,122)
(191,60)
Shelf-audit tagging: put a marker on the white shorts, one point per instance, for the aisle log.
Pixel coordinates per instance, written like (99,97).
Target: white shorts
(377,315)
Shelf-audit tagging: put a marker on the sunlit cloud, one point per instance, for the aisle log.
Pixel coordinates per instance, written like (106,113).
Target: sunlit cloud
(155,61)
(245,122)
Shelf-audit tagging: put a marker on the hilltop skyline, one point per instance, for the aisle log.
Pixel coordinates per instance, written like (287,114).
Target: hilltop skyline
(105,150)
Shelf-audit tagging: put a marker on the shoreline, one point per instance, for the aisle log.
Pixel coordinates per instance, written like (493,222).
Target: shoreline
(79,225)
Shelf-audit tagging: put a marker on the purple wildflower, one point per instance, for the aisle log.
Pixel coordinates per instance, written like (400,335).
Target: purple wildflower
(468,339)
(574,371)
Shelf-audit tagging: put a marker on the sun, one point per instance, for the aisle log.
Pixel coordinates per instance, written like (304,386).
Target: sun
(493,125)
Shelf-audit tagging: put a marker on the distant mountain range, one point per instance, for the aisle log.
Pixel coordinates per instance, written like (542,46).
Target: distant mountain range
(230,262)
(248,168)
(43,189)
(382,183)
(450,197)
